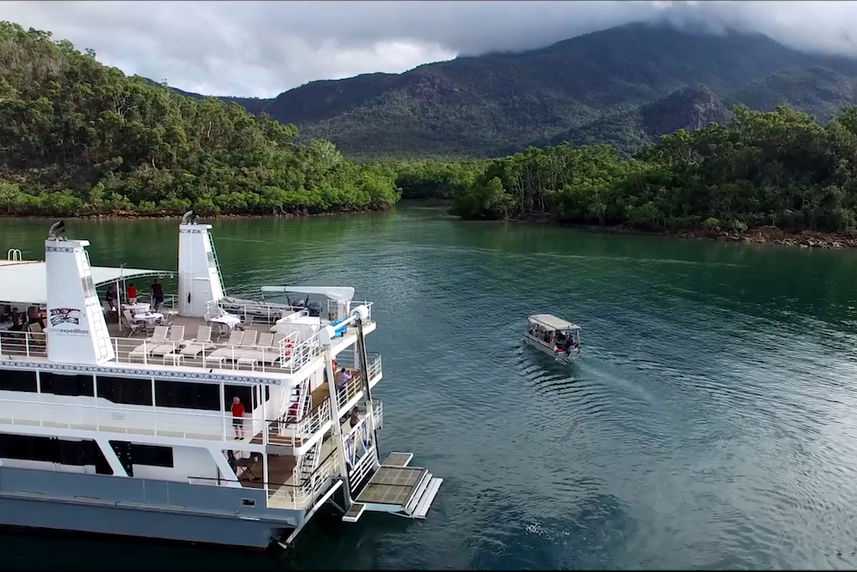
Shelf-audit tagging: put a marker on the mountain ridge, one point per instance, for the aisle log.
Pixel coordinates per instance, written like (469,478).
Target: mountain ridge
(475,105)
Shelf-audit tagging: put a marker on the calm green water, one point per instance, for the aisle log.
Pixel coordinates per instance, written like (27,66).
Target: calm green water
(710,424)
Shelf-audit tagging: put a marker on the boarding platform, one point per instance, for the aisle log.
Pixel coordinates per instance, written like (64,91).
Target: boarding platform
(397,489)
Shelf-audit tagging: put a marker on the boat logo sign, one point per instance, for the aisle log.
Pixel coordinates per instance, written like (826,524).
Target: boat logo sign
(65,316)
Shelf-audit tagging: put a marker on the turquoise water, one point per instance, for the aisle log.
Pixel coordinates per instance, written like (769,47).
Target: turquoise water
(710,423)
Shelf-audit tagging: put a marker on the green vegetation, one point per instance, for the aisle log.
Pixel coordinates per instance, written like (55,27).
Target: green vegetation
(78,137)
(625,86)
(777,168)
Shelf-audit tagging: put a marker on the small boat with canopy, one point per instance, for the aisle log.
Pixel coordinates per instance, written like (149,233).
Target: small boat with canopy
(554,336)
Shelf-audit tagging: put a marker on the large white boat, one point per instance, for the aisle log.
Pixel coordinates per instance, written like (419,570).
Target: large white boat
(129,428)
(554,336)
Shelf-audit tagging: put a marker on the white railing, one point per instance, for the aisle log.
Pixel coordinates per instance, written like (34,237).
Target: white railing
(251,311)
(27,344)
(297,433)
(171,301)
(379,413)
(283,357)
(355,385)
(302,353)
(136,420)
(303,494)
(333,309)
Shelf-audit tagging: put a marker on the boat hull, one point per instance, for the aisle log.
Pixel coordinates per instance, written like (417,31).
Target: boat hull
(543,347)
(139,507)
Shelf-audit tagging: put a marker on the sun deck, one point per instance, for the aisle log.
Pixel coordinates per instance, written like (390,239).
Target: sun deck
(287,357)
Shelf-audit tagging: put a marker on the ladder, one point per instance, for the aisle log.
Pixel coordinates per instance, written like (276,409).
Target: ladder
(308,464)
(299,401)
(216,264)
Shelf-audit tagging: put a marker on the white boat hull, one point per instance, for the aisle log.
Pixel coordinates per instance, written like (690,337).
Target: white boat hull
(561,357)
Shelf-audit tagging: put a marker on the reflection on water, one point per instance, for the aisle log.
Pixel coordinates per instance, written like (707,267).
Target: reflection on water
(709,423)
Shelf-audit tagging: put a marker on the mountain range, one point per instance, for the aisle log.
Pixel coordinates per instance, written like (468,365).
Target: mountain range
(625,86)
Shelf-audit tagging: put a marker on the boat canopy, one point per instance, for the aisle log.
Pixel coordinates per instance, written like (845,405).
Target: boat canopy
(338,293)
(552,322)
(25,282)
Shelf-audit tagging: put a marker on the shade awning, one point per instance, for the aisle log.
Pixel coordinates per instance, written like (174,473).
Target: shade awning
(26,281)
(552,322)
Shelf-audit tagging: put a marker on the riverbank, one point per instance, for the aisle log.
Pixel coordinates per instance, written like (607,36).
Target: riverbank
(119,215)
(767,235)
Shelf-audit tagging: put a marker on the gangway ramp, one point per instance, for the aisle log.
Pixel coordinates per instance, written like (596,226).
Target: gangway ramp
(397,489)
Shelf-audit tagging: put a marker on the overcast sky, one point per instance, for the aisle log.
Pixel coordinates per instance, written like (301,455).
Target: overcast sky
(263,48)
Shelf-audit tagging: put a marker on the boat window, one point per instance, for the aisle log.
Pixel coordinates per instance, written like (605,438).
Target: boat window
(125,390)
(243,392)
(58,384)
(150,455)
(18,380)
(187,395)
(54,450)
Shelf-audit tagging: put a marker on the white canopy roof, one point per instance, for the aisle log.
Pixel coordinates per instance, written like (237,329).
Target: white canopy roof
(552,322)
(26,281)
(341,293)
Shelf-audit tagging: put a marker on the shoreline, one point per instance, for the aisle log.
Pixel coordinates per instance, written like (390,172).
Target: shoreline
(763,235)
(766,235)
(131,215)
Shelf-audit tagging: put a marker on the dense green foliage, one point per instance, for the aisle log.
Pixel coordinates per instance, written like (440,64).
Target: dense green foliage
(579,90)
(763,168)
(79,137)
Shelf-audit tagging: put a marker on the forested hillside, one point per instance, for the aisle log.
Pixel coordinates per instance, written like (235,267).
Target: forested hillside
(777,168)
(592,88)
(78,137)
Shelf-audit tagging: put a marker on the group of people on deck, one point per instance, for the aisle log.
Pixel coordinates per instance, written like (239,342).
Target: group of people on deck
(156,290)
(21,321)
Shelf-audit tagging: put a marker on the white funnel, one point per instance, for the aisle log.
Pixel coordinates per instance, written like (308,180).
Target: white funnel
(199,275)
(76,330)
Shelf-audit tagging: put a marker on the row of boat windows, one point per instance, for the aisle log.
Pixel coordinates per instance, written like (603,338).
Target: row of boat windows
(80,453)
(186,395)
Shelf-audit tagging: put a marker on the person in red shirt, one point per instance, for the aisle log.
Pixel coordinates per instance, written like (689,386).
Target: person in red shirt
(132,294)
(238,417)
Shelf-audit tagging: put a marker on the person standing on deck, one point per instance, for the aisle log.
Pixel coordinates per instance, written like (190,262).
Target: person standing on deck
(238,417)
(132,294)
(157,294)
(342,379)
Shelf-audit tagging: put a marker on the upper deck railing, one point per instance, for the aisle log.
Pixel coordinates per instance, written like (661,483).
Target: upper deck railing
(286,356)
(292,494)
(42,411)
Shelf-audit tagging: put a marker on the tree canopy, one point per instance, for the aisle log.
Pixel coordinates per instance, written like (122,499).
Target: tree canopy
(764,168)
(79,137)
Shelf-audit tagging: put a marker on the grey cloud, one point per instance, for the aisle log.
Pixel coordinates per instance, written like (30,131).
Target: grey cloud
(263,48)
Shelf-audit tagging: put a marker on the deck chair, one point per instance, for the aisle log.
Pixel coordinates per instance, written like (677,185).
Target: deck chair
(157,338)
(37,336)
(175,338)
(249,339)
(201,342)
(267,350)
(132,325)
(235,339)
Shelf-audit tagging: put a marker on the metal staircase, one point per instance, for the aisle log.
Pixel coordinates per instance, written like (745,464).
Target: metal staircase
(308,464)
(216,264)
(300,400)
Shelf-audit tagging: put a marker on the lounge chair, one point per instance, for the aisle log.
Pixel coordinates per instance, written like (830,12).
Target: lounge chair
(159,337)
(175,339)
(200,343)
